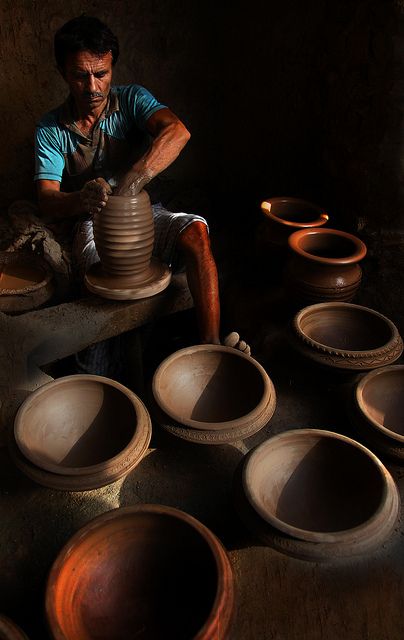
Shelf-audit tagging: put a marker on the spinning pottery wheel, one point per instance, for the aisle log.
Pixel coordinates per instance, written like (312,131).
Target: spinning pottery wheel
(124,238)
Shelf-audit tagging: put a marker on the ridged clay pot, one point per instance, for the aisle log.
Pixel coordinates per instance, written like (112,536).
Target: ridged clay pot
(26,282)
(318,495)
(10,631)
(146,571)
(212,394)
(378,410)
(285,215)
(323,265)
(124,237)
(346,336)
(80,432)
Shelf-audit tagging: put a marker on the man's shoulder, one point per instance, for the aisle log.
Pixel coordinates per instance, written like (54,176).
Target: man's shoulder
(129,91)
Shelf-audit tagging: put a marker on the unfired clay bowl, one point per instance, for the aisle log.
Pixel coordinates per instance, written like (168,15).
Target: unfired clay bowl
(146,571)
(320,486)
(346,336)
(26,282)
(82,425)
(10,631)
(380,399)
(211,387)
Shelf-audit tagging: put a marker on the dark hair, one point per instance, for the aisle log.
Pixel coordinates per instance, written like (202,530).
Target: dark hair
(84,33)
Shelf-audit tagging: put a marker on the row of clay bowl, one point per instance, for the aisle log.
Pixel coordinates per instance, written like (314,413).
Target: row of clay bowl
(322,264)
(80,432)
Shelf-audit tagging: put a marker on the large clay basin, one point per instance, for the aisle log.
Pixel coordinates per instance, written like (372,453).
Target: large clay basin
(82,425)
(346,336)
(380,400)
(212,387)
(10,631)
(320,486)
(26,282)
(146,571)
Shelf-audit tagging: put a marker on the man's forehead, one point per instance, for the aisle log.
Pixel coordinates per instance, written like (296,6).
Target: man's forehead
(86,59)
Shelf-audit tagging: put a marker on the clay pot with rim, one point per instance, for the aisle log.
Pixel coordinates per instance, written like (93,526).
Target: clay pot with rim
(285,215)
(378,411)
(124,238)
(80,432)
(323,265)
(146,571)
(320,493)
(346,336)
(26,282)
(9,630)
(212,394)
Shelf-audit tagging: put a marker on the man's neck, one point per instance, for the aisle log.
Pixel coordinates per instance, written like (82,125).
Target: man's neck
(86,119)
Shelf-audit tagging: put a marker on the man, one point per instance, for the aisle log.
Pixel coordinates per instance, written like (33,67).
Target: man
(90,145)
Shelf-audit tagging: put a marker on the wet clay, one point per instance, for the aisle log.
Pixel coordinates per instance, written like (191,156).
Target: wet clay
(15,277)
(316,485)
(25,282)
(147,572)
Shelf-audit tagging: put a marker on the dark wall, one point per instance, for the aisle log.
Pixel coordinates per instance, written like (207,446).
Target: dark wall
(281,97)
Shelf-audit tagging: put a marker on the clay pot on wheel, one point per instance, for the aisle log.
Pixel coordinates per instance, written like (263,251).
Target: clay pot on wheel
(147,571)
(323,265)
(124,237)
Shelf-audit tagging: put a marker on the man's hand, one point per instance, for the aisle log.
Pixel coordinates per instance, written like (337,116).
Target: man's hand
(94,195)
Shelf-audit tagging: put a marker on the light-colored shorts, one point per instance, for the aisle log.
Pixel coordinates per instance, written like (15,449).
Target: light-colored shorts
(167,228)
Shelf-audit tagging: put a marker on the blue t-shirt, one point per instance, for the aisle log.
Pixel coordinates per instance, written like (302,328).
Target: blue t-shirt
(65,154)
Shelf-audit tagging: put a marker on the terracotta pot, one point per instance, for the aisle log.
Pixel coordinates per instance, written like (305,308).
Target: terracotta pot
(379,410)
(346,336)
(212,387)
(320,486)
(10,631)
(64,430)
(146,571)
(283,216)
(124,237)
(26,282)
(323,265)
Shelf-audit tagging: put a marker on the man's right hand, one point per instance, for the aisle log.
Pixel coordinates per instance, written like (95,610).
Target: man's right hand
(94,195)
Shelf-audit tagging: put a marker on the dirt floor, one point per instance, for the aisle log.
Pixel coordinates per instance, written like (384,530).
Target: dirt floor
(279,597)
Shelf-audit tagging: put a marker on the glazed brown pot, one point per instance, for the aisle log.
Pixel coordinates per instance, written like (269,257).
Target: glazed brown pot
(323,265)
(124,238)
(346,336)
(81,431)
(285,215)
(213,388)
(10,631)
(26,282)
(320,486)
(379,410)
(147,571)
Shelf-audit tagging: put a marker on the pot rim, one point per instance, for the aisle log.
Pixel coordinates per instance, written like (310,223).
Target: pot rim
(199,424)
(225,590)
(53,468)
(346,353)
(358,253)
(359,390)
(266,206)
(307,534)
(10,257)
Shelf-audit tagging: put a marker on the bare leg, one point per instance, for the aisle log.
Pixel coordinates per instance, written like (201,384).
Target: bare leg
(201,270)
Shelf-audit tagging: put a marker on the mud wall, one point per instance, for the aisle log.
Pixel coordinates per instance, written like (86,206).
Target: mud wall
(281,98)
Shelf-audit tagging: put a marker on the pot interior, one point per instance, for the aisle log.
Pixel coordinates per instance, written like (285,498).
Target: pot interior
(290,211)
(327,245)
(383,399)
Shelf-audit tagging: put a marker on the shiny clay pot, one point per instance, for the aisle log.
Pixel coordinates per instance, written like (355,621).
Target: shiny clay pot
(323,265)
(147,572)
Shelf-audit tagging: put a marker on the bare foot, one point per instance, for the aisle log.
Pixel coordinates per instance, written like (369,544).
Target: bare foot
(233,340)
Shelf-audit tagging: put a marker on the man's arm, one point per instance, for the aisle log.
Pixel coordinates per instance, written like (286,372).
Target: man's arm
(55,204)
(169,138)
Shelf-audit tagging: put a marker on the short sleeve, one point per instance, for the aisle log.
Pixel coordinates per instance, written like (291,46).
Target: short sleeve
(141,104)
(49,158)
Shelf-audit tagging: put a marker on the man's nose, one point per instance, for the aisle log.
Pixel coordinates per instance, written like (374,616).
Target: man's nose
(90,82)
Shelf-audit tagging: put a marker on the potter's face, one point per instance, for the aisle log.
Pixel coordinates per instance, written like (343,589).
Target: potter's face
(89,77)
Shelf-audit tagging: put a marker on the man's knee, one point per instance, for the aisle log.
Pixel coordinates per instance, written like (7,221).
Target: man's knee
(194,239)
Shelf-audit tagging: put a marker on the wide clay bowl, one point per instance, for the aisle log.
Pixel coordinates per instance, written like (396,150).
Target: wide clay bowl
(320,486)
(211,387)
(346,336)
(293,213)
(380,398)
(82,425)
(10,631)
(146,571)
(26,282)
